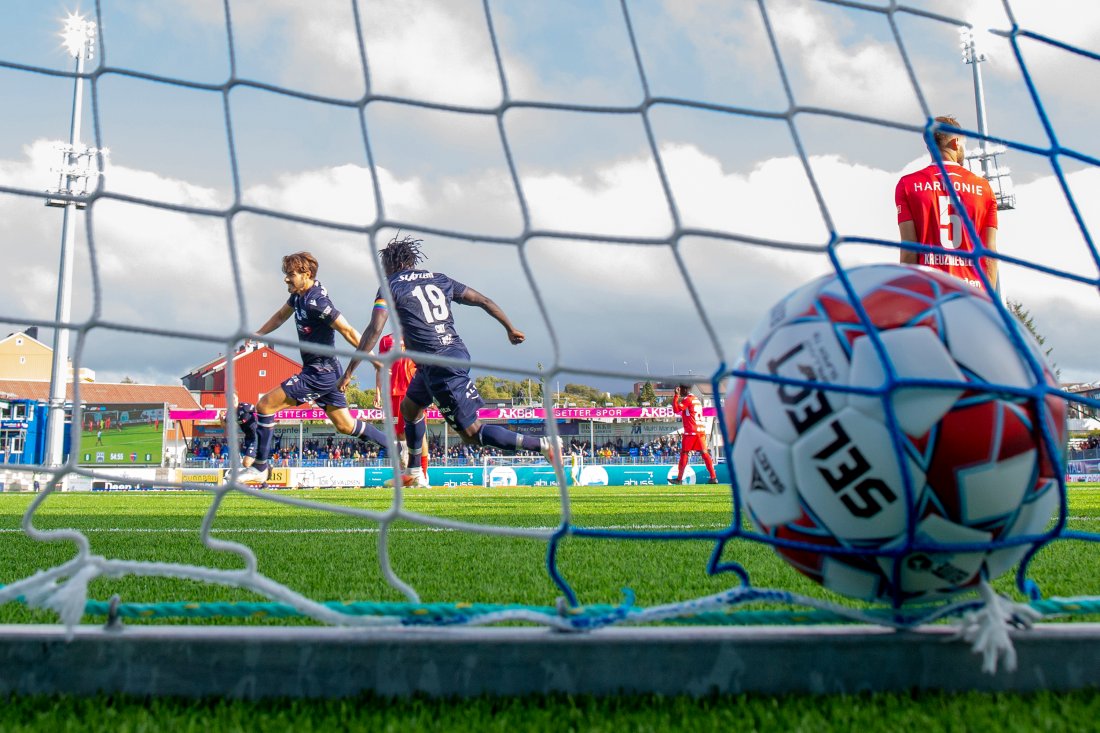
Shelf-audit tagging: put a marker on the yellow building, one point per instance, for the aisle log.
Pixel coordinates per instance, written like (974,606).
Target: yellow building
(24,357)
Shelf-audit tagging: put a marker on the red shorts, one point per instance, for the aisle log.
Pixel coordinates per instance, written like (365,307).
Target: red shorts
(399,426)
(692,443)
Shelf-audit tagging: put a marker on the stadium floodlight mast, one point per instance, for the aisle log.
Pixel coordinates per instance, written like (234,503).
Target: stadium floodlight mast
(973,54)
(78,34)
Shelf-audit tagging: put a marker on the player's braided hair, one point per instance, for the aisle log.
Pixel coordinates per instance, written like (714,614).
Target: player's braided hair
(402,254)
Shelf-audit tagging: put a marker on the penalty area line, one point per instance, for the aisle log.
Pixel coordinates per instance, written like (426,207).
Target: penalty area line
(358,530)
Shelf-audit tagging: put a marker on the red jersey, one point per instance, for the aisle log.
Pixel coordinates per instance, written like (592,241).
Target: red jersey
(922,199)
(690,410)
(401,371)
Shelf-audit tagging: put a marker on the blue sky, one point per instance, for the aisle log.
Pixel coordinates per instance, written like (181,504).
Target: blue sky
(614,309)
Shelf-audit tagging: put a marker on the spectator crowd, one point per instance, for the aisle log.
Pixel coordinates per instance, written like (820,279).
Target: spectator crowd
(340,451)
(1083,448)
(315,451)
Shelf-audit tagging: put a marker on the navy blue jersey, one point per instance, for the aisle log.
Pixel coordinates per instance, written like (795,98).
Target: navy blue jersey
(423,303)
(314,315)
(246,418)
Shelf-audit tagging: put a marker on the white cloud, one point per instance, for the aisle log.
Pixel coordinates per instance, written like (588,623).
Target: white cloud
(482,203)
(1043,230)
(825,65)
(343,194)
(418,48)
(156,187)
(865,76)
(440,52)
(309,46)
(716,29)
(622,199)
(1069,21)
(772,201)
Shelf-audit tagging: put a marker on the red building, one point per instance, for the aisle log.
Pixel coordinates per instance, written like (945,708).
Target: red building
(257,367)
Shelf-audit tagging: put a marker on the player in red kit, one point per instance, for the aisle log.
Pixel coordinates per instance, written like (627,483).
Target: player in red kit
(401,374)
(690,410)
(927,215)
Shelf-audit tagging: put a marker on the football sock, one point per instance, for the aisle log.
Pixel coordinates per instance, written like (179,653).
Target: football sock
(710,466)
(368,433)
(682,466)
(498,437)
(414,436)
(265,434)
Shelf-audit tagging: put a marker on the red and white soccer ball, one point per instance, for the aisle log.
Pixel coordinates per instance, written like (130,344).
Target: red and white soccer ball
(819,466)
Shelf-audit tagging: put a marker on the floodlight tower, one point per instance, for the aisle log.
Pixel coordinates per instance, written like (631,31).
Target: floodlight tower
(78,34)
(974,57)
(997,176)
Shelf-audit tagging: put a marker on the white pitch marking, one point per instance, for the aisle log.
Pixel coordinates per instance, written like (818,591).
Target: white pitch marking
(374,530)
(363,530)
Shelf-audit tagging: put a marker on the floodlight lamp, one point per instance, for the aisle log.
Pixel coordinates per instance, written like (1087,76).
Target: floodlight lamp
(78,36)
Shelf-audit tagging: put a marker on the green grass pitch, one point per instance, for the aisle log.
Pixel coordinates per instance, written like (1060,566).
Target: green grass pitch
(332,557)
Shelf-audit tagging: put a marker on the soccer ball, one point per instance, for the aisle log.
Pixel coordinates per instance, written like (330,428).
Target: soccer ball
(871,477)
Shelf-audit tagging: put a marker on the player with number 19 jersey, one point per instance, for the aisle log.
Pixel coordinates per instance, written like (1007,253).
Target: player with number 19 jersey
(422,300)
(922,198)
(423,303)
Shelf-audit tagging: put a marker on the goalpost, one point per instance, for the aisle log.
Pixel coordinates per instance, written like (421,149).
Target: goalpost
(683,647)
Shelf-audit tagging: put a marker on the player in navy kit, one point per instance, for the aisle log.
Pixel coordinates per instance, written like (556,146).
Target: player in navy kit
(245,414)
(423,300)
(318,321)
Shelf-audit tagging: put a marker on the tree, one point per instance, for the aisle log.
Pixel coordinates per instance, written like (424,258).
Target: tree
(493,389)
(128,380)
(528,391)
(1024,316)
(647,394)
(363,398)
(583,394)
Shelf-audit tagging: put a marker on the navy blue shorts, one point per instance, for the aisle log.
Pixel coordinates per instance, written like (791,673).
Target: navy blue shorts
(248,443)
(316,387)
(449,388)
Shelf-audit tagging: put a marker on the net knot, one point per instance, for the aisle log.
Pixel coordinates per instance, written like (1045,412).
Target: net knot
(987,628)
(67,598)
